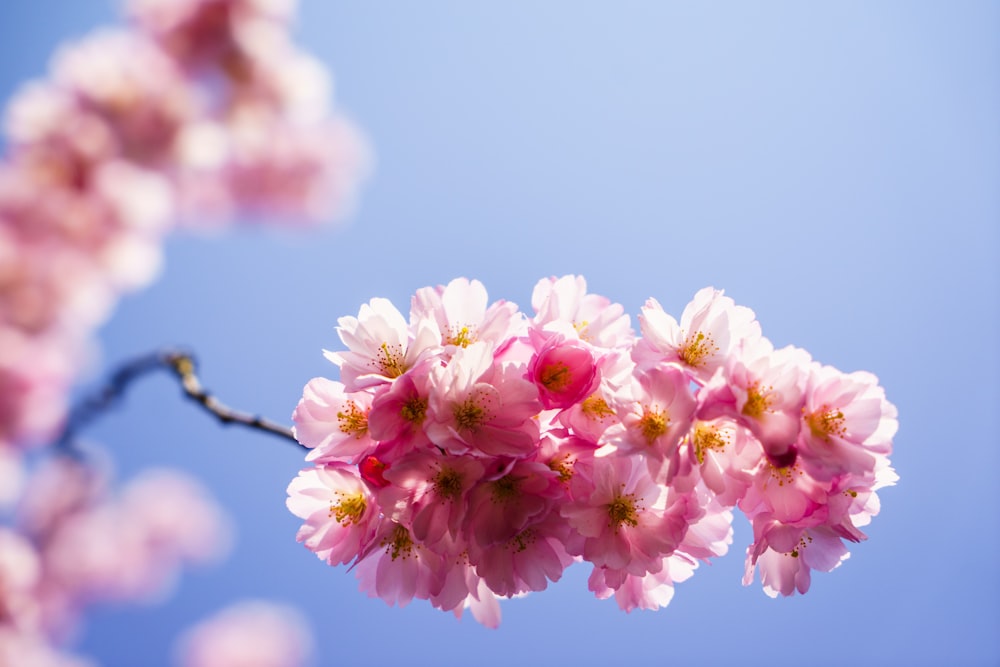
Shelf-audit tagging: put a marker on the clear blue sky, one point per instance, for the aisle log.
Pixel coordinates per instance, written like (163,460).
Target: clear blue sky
(834,166)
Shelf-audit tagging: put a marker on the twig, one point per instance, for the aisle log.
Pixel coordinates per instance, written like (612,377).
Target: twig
(183,366)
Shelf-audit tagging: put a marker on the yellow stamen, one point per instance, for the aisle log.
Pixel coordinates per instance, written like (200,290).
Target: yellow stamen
(347,510)
(469,416)
(399,543)
(461,336)
(562,466)
(696,348)
(826,422)
(622,510)
(707,437)
(758,401)
(414,410)
(597,408)
(390,360)
(653,424)
(352,420)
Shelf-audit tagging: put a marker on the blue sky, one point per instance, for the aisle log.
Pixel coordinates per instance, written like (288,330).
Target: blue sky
(833,166)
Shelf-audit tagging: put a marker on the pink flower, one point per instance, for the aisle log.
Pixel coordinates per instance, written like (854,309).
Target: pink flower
(562,305)
(726,455)
(847,423)
(248,634)
(397,569)
(789,556)
(478,406)
(786,492)
(528,560)
(333,422)
(380,347)
(565,372)
(654,417)
(622,516)
(339,511)
(509,500)
(430,492)
(399,412)
(459,310)
(711,326)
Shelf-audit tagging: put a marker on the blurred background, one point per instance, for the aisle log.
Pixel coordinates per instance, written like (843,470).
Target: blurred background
(833,166)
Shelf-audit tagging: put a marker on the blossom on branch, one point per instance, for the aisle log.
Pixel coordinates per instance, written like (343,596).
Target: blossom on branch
(488,450)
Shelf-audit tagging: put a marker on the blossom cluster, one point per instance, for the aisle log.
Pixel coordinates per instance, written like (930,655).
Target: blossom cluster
(198,110)
(471,452)
(75,543)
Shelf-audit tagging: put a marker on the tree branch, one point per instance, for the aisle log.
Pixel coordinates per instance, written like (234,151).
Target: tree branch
(182,365)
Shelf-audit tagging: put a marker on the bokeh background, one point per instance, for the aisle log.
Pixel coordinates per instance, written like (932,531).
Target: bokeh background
(834,166)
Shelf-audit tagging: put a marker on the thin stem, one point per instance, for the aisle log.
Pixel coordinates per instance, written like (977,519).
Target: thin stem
(182,365)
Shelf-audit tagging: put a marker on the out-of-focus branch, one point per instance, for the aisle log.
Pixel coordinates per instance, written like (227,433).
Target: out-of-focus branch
(181,365)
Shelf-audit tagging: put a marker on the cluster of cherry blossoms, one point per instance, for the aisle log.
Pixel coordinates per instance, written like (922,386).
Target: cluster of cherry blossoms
(472,453)
(198,110)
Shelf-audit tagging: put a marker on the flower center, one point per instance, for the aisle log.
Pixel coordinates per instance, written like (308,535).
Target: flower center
(414,410)
(758,400)
(352,420)
(448,483)
(505,488)
(785,474)
(522,540)
(399,543)
(461,336)
(347,510)
(622,510)
(563,467)
(469,416)
(556,377)
(390,360)
(826,422)
(474,412)
(597,408)
(707,437)
(653,424)
(696,348)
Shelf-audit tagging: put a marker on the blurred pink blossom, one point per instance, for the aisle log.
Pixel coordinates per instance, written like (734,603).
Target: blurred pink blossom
(248,634)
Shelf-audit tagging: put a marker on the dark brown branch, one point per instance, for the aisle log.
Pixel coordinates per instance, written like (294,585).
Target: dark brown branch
(183,366)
